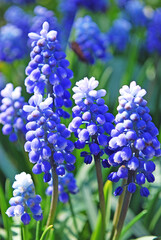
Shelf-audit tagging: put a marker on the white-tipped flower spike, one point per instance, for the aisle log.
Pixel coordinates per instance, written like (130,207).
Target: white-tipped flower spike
(134,141)
(24,198)
(91,111)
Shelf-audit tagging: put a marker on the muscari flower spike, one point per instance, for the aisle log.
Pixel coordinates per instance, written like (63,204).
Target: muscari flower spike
(42,15)
(12,115)
(13,16)
(46,137)
(22,2)
(90,43)
(66,185)
(12,42)
(24,199)
(154,33)
(92,5)
(119,34)
(135,13)
(48,69)
(122,3)
(134,141)
(91,122)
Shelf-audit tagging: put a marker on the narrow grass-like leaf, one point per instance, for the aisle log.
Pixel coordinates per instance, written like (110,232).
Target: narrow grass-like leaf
(3,207)
(83,171)
(148,238)
(107,192)
(150,208)
(90,206)
(46,231)
(132,222)
(139,229)
(155,219)
(6,166)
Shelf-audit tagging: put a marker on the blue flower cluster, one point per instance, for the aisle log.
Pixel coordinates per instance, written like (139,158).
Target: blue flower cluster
(11,114)
(122,3)
(24,198)
(42,15)
(12,42)
(154,33)
(48,69)
(135,13)
(92,5)
(13,16)
(66,185)
(91,121)
(46,137)
(134,141)
(119,34)
(90,44)
(22,2)
(14,35)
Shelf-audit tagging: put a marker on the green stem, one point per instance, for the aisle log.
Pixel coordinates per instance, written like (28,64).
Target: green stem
(124,209)
(24,232)
(118,211)
(73,216)
(54,198)
(37,230)
(101,194)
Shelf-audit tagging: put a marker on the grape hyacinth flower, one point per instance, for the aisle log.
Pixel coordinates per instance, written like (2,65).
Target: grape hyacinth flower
(13,16)
(42,15)
(90,44)
(135,13)
(12,115)
(69,9)
(12,42)
(24,199)
(119,34)
(91,122)
(46,137)
(134,141)
(66,185)
(122,3)
(48,69)
(92,5)
(154,33)
(22,2)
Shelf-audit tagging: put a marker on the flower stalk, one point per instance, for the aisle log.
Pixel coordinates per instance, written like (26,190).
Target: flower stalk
(101,194)
(54,198)
(124,205)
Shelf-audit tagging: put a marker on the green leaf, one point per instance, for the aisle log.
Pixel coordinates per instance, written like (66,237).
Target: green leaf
(46,231)
(107,192)
(132,222)
(148,238)
(83,171)
(139,229)
(3,207)
(6,166)
(155,219)
(150,208)
(90,206)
